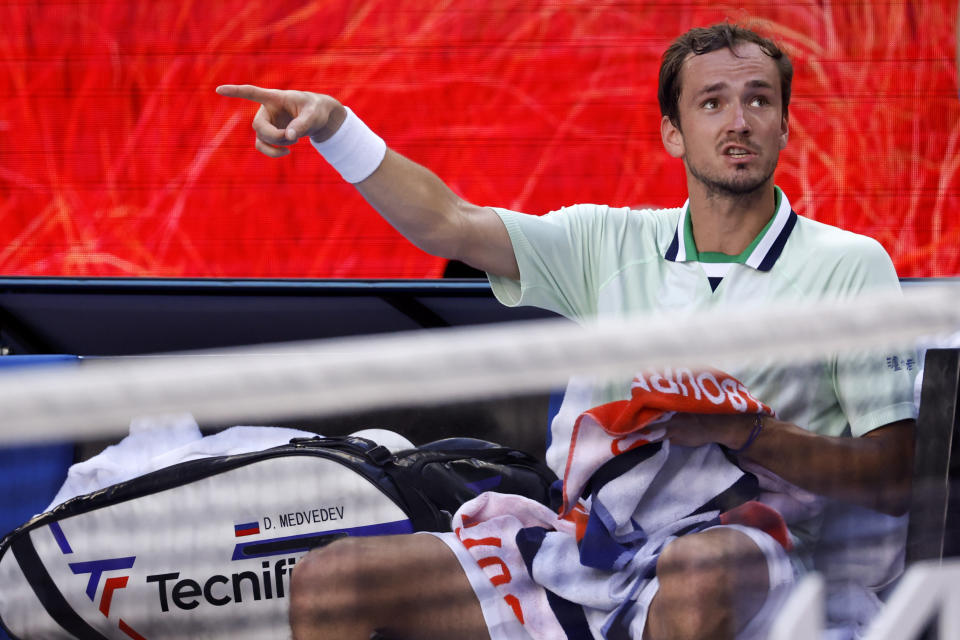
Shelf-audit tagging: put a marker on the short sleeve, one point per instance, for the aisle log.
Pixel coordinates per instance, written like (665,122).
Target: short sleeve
(874,388)
(556,256)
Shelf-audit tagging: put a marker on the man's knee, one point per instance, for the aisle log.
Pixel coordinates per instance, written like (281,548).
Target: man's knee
(714,561)
(694,593)
(689,555)
(324,584)
(710,585)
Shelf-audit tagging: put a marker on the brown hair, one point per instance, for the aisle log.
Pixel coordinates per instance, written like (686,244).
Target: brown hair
(702,40)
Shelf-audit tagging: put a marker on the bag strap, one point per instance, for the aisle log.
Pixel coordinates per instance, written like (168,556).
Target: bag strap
(406,469)
(424,514)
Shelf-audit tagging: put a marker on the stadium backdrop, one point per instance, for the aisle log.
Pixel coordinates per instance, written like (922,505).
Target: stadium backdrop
(117,158)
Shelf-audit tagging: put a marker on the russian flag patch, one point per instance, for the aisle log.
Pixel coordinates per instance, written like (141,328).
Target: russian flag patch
(246,529)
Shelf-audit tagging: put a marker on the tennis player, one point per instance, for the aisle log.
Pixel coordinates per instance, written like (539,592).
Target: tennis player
(724,94)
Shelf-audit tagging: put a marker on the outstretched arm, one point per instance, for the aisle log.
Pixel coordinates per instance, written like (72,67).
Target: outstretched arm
(410,197)
(873,470)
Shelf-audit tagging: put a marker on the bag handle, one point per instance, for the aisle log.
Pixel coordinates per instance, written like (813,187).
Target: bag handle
(375,453)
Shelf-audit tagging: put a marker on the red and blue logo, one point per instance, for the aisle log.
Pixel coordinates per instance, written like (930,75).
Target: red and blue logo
(97,569)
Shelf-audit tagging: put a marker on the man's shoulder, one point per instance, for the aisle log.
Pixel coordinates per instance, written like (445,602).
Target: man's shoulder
(828,257)
(599,218)
(827,240)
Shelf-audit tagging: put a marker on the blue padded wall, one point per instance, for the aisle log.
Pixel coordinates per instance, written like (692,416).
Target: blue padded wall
(31,474)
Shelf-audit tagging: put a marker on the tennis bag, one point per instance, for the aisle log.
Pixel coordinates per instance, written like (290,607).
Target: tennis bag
(205,548)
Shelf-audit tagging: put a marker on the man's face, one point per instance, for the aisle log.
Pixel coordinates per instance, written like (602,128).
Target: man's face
(732,125)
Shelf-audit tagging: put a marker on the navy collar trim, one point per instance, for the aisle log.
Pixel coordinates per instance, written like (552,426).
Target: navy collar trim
(764,255)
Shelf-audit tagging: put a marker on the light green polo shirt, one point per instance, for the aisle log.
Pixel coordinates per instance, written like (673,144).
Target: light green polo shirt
(594,261)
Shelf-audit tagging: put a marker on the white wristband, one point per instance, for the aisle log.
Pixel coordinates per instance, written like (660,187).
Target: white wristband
(354,150)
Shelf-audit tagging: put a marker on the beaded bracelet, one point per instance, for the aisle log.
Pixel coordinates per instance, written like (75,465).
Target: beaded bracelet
(354,150)
(757,427)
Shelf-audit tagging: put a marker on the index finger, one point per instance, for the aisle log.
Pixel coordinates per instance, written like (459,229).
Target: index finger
(247,92)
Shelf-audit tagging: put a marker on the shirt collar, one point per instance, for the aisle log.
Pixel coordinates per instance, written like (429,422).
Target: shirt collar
(766,251)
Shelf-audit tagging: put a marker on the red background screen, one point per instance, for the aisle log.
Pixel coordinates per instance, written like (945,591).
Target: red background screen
(118,159)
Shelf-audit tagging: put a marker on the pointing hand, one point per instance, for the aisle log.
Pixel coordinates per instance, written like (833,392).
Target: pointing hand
(286,116)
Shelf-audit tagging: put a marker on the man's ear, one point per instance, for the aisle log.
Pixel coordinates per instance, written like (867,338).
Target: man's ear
(784,131)
(672,137)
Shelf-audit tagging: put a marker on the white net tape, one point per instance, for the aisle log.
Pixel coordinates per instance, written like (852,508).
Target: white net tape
(326,377)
